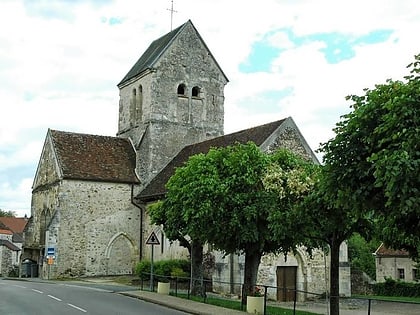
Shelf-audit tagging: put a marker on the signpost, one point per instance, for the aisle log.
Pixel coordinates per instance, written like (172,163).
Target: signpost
(152,240)
(50,258)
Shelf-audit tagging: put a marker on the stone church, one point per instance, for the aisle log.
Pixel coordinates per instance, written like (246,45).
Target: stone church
(90,192)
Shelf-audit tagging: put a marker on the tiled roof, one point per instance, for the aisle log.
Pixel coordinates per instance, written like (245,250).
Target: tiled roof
(9,245)
(156,188)
(384,251)
(6,232)
(91,157)
(16,225)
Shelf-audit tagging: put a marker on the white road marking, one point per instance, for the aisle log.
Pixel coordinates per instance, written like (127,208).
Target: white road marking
(55,298)
(37,290)
(77,308)
(19,286)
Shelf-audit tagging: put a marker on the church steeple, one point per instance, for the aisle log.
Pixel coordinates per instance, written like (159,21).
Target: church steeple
(173,96)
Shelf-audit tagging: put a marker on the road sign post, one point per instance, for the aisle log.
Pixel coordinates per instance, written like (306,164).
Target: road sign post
(152,240)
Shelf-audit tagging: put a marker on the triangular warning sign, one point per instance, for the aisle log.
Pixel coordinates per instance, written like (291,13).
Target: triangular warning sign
(152,239)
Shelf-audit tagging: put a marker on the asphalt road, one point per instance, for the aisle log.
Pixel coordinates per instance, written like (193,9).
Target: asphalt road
(40,298)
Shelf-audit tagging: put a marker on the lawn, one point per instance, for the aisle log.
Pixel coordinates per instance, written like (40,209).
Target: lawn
(236,305)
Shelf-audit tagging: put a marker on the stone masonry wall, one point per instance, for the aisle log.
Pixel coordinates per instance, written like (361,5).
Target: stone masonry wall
(94,231)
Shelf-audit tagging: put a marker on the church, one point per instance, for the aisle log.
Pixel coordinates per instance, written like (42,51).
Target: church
(90,192)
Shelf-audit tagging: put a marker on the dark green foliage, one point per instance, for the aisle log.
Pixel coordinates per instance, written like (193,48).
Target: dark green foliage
(164,268)
(361,256)
(374,159)
(4,213)
(392,287)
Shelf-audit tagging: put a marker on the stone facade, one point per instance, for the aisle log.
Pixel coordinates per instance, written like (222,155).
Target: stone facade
(176,101)
(89,226)
(395,264)
(84,212)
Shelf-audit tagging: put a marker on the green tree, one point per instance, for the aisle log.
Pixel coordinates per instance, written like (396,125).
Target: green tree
(361,254)
(219,198)
(375,158)
(370,172)
(9,213)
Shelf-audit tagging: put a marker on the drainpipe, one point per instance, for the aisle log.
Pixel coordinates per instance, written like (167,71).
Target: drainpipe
(141,222)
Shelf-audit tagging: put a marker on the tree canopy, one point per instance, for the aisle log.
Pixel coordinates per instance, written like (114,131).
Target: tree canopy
(220,198)
(375,155)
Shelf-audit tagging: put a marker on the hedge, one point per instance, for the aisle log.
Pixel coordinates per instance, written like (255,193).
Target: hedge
(393,287)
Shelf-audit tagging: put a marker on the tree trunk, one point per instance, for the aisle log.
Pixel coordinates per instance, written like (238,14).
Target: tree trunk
(335,278)
(252,262)
(196,284)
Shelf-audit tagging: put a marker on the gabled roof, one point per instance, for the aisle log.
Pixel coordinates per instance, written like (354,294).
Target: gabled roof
(6,232)
(16,225)
(384,251)
(156,188)
(155,50)
(96,158)
(9,245)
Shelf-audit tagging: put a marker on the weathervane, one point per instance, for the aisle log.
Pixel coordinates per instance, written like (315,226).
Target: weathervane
(172,11)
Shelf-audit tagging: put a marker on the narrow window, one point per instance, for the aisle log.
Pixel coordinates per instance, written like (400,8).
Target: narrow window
(139,108)
(181,89)
(195,91)
(401,274)
(133,106)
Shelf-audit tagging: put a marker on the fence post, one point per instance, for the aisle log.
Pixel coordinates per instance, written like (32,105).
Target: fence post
(265,299)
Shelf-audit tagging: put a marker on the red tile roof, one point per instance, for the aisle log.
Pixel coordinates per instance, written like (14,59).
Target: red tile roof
(6,232)
(92,157)
(16,225)
(384,251)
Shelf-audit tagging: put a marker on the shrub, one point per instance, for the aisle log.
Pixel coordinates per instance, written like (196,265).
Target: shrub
(163,269)
(393,287)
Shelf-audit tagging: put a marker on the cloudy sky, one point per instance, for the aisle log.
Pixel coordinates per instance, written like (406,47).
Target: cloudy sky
(60,62)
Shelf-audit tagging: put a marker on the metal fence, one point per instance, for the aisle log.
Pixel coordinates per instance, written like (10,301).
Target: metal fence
(279,297)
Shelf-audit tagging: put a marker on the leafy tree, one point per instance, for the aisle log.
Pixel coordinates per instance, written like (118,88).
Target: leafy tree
(375,158)
(370,171)
(361,254)
(220,198)
(9,213)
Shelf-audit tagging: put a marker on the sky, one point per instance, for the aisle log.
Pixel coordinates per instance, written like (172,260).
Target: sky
(60,62)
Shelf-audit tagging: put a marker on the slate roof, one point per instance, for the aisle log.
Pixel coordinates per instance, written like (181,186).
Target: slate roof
(155,50)
(156,188)
(384,251)
(96,158)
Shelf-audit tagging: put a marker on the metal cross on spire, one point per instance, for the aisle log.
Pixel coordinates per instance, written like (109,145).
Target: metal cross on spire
(172,11)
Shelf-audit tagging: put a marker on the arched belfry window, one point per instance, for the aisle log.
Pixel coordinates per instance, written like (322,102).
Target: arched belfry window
(181,89)
(195,91)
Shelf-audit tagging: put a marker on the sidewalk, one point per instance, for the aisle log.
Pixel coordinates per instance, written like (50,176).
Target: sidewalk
(180,304)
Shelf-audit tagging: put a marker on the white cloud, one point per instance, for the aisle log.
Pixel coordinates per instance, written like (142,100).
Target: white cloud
(60,63)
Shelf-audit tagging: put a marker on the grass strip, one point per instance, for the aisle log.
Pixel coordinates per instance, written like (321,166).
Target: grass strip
(236,305)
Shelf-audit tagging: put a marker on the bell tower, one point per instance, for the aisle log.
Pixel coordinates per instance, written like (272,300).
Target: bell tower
(173,96)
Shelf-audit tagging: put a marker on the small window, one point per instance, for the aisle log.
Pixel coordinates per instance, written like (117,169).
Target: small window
(416,275)
(401,274)
(181,89)
(195,91)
